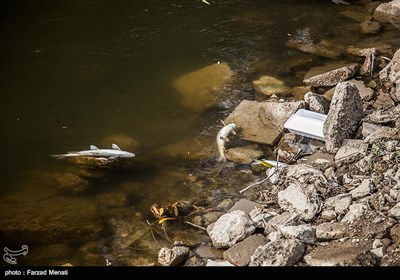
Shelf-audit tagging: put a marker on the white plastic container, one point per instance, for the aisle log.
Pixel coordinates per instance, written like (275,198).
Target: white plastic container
(307,123)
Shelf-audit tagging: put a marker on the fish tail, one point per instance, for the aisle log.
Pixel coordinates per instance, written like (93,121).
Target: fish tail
(222,158)
(64,155)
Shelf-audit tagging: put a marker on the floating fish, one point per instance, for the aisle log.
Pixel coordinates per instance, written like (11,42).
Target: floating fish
(113,153)
(222,137)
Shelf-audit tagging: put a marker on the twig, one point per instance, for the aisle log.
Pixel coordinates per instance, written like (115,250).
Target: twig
(151,231)
(194,225)
(257,183)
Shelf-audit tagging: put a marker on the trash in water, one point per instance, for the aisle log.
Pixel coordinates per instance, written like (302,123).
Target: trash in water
(307,123)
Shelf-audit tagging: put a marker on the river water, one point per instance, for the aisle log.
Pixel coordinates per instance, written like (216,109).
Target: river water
(76,72)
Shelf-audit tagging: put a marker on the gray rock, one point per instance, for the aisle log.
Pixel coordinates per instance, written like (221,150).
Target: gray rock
(340,254)
(339,203)
(355,210)
(317,103)
(369,63)
(365,188)
(378,252)
(231,228)
(388,12)
(304,233)
(286,218)
(260,217)
(344,115)
(194,261)
(333,77)
(218,263)
(243,154)
(383,133)
(262,122)
(240,253)
(211,217)
(350,149)
(306,174)
(202,88)
(366,93)
(245,205)
(302,199)
(283,252)
(174,256)
(328,215)
(395,211)
(331,231)
(274,236)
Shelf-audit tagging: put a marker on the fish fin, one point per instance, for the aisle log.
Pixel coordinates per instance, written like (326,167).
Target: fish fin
(93,147)
(113,157)
(115,147)
(234,132)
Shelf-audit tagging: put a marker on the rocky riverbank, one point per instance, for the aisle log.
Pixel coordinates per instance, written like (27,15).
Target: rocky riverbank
(337,203)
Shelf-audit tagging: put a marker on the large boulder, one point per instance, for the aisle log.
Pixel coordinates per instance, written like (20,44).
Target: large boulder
(344,116)
(230,228)
(333,77)
(389,12)
(201,89)
(262,122)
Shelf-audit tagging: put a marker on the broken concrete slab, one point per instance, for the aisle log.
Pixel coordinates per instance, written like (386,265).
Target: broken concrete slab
(366,93)
(344,116)
(303,199)
(395,211)
(332,77)
(355,210)
(240,253)
(262,122)
(261,216)
(368,128)
(230,228)
(245,205)
(174,256)
(341,254)
(286,218)
(201,89)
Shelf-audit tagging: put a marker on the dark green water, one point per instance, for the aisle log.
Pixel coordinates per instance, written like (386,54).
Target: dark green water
(74,72)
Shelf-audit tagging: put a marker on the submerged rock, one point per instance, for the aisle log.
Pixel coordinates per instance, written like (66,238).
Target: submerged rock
(268,86)
(174,256)
(344,116)
(243,154)
(202,88)
(262,122)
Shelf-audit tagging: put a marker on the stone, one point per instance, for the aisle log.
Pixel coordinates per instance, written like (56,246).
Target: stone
(370,62)
(231,228)
(245,205)
(194,261)
(317,103)
(388,12)
(312,48)
(208,252)
(395,211)
(330,231)
(351,149)
(260,217)
(304,200)
(211,217)
(383,133)
(262,122)
(383,101)
(391,115)
(202,88)
(304,233)
(174,256)
(299,92)
(344,116)
(339,203)
(391,73)
(240,253)
(286,218)
(395,233)
(328,215)
(368,128)
(218,263)
(274,236)
(307,174)
(365,188)
(340,254)
(243,154)
(378,252)
(283,252)
(366,93)
(355,210)
(268,86)
(332,77)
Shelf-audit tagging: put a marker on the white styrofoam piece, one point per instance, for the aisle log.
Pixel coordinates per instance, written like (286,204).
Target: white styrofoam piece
(307,123)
